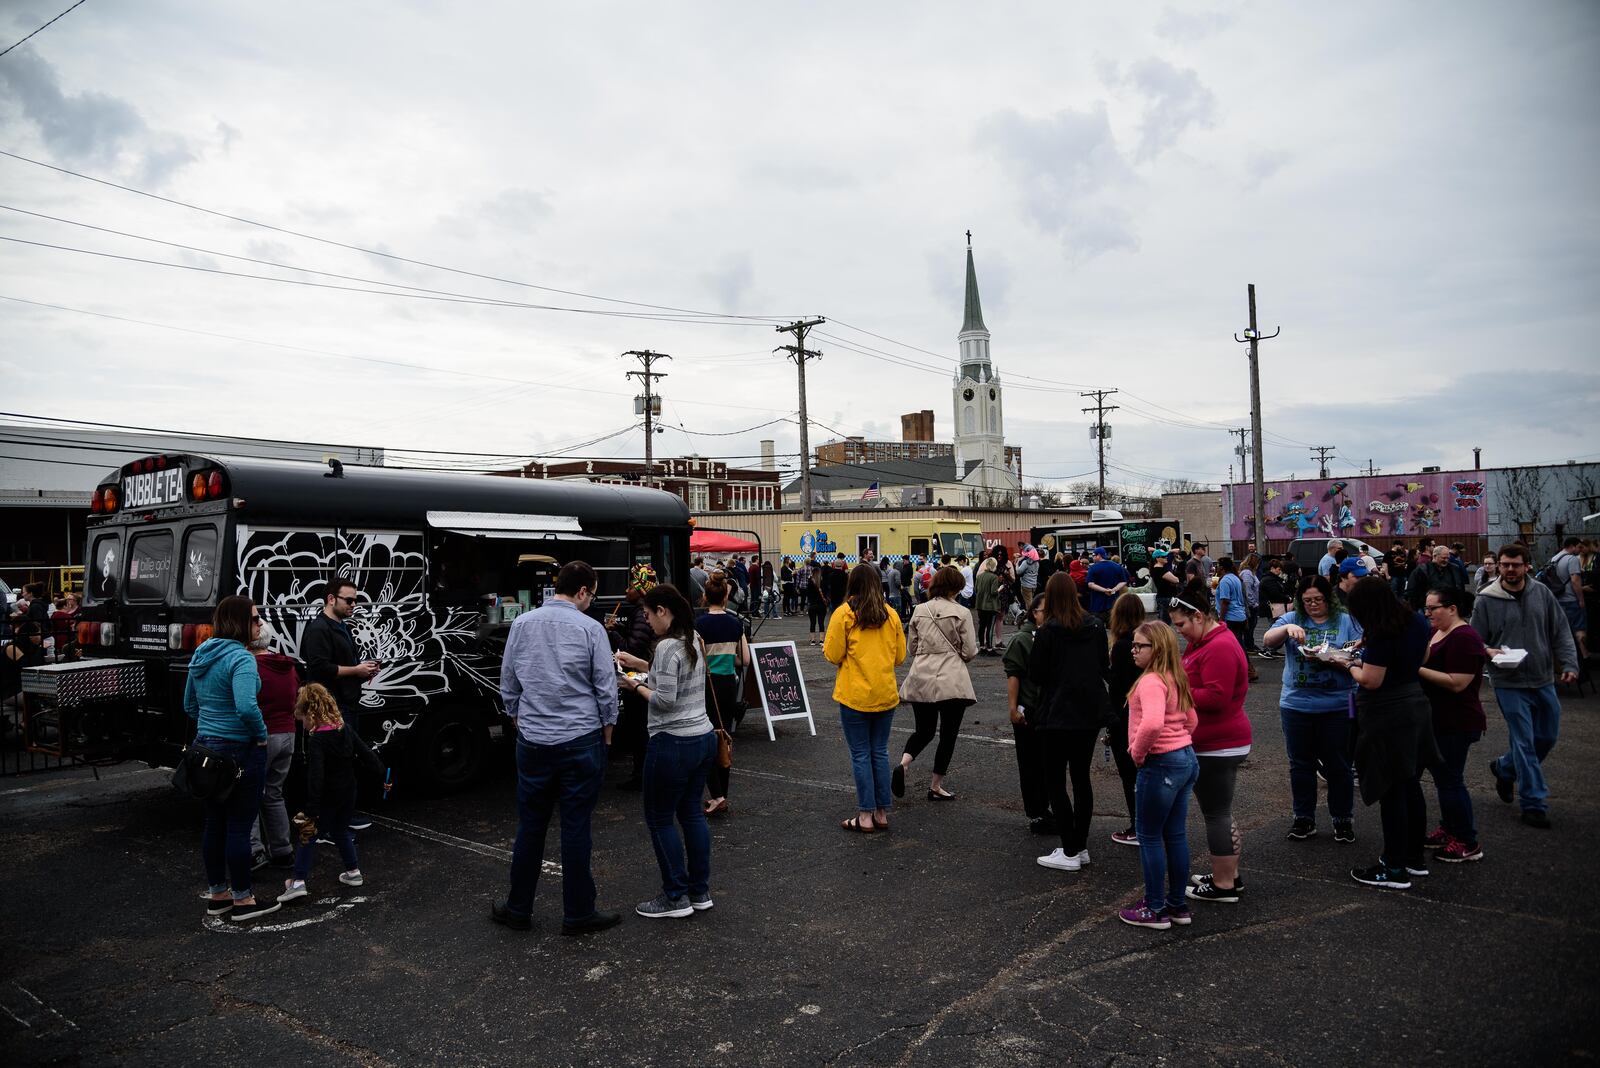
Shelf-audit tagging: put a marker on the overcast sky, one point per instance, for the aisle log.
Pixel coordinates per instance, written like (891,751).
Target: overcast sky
(1403,183)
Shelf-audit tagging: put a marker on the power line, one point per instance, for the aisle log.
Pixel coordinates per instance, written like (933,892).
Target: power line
(394,257)
(800,354)
(41,29)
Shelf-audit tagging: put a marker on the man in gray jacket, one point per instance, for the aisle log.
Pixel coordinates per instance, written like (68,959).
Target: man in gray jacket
(1514,613)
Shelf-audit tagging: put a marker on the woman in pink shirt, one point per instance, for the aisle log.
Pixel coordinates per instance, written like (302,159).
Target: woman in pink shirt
(1161,720)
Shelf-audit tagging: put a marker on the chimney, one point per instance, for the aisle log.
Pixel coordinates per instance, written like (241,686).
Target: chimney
(917,426)
(1477,458)
(769,461)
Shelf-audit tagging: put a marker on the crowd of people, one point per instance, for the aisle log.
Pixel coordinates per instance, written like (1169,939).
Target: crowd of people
(1375,695)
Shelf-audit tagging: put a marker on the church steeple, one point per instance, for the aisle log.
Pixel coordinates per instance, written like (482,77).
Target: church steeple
(973,319)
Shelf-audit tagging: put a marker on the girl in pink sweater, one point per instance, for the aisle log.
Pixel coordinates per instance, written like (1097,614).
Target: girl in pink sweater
(1161,722)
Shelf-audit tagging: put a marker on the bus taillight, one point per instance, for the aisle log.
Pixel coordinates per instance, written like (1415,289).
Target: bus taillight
(197,487)
(214,485)
(108,498)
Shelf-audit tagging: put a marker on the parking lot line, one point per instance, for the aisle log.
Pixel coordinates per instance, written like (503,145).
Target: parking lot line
(549,867)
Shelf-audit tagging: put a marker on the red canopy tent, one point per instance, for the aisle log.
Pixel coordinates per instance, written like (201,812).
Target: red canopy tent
(717,541)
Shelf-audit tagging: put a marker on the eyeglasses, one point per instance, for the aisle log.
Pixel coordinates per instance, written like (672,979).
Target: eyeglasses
(255,621)
(1430,609)
(346,600)
(1313,600)
(1143,645)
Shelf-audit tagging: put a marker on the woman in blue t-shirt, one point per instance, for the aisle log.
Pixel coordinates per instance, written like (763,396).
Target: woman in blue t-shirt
(1315,707)
(1233,608)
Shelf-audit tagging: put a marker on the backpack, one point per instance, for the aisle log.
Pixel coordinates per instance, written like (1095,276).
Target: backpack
(1550,574)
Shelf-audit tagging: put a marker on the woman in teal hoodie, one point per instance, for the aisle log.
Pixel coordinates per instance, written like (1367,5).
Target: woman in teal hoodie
(220,695)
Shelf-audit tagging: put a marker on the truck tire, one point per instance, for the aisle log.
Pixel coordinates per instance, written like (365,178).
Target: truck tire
(448,750)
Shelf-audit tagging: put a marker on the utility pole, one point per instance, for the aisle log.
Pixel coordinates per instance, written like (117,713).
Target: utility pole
(1322,452)
(1371,471)
(800,354)
(1258,492)
(648,377)
(1100,432)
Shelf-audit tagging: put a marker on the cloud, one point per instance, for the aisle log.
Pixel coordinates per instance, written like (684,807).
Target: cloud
(88,127)
(1262,165)
(1068,167)
(729,280)
(1175,101)
(803,176)
(1189,26)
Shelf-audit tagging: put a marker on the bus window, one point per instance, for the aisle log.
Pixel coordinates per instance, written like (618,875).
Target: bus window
(967,544)
(105,567)
(199,575)
(149,565)
(919,547)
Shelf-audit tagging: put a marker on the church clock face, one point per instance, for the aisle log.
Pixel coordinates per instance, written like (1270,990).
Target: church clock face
(966,394)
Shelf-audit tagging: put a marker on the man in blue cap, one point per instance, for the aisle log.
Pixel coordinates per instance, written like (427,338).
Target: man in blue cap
(1107,580)
(1351,571)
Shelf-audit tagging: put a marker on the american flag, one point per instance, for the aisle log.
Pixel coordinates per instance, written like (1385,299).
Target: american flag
(872,494)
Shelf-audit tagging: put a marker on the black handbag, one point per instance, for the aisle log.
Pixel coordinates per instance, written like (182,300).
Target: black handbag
(205,774)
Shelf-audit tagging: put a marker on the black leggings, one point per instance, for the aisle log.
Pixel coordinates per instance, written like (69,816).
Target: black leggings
(816,612)
(722,700)
(1214,790)
(985,629)
(944,716)
(1074,750)
(1404,813)
(1245,631)
(1127,770)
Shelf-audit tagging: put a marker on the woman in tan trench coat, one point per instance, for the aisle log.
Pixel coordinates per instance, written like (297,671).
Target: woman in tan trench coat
(941,641)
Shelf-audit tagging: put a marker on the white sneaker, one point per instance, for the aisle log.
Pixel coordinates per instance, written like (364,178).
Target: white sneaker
(293,890)
(351,878)
(1083,858)
(1059,860)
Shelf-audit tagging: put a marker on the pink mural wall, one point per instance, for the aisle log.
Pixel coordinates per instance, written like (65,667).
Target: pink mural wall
(1384,506)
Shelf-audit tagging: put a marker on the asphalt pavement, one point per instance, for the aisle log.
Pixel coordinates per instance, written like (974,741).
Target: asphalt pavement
(939,943)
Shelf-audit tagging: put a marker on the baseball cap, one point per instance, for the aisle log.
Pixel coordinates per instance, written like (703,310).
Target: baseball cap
(1159,553)
(1101,550)
(1353,566)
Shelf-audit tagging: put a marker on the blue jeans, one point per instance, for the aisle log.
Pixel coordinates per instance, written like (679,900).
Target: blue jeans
(1449,779)
(1313,738)
(569,775)
(675,772)
(333,823)
(1161,819)
(1533,719)
(867,735)
(225,838)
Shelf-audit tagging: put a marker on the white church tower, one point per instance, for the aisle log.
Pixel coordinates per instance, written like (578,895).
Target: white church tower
(979,401)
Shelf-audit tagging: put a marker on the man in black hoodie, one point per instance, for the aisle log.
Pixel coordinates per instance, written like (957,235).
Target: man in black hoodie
(329,651)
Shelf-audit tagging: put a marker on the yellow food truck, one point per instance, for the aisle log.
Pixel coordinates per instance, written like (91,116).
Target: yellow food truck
(883,536)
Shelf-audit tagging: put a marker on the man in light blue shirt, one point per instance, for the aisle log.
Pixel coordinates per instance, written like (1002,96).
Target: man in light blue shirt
(1328,562)
(559,683)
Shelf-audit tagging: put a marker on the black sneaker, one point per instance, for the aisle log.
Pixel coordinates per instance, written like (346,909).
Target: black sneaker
(1302,829)
(1344,831)
(1505,788)
(361,822)
(246,913)
(1382,876)
(1536,817)
(599,921)
(218,908)
(259,861)
(1206,890)
(897,780)
(506,918)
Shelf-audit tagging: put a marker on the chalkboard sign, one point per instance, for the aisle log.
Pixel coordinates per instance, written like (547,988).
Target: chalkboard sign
(782,686)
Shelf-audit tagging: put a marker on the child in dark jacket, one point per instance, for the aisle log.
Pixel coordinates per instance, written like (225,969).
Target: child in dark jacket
(330,789)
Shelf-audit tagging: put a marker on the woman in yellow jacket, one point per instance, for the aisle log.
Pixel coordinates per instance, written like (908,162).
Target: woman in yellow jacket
(865,640)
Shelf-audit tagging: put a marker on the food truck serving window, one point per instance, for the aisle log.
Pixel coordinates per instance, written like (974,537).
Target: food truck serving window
(149,565)
(199,574)
(105,566)
(969,544)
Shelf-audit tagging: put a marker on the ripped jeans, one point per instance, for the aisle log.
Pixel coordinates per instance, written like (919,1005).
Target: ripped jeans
(1161,816)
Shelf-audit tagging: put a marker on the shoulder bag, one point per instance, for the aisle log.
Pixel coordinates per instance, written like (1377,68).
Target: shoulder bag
(724,739)
(205,774)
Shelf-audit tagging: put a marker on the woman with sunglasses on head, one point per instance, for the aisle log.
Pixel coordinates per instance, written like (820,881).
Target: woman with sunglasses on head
(1395,722)
(220,695)
(1451,677)
(1218,677)
(1069,664)
(1315,707)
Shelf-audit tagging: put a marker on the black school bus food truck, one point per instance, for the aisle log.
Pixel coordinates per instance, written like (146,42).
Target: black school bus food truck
(442,563)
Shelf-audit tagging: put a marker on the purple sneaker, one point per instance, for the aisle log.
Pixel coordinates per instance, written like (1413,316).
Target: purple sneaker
(1141,916)
(1180,915)
(1127,837)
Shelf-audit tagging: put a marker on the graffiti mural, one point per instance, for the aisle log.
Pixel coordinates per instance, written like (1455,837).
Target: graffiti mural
(1441,504)
(426,653)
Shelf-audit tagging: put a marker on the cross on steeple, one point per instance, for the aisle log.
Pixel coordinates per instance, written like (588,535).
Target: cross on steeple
(969,238)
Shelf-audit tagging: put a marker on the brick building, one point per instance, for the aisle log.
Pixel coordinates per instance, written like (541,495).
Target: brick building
(705,485)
